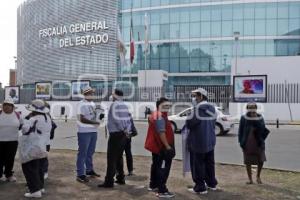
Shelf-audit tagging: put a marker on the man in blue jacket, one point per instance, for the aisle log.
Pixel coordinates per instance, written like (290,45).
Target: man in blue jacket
(201,143)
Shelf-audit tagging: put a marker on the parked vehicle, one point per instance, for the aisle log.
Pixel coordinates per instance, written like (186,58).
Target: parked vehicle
(224,123)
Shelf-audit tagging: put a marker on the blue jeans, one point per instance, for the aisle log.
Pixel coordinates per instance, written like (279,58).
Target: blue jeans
(86,149)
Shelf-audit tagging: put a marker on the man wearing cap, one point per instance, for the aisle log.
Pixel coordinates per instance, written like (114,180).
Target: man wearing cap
(119,128)
(201,142)
(10,123)
(87,136)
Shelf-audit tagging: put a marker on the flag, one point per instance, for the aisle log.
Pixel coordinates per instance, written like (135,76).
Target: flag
(131,43)
(146,33)
(122,48)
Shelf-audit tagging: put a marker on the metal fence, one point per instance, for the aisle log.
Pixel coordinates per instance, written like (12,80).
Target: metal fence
(218,94)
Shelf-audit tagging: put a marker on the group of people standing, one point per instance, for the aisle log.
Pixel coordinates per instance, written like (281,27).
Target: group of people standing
(37,129)
(160,142)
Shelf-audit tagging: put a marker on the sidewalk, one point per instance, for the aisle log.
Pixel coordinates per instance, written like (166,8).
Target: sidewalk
(62,185)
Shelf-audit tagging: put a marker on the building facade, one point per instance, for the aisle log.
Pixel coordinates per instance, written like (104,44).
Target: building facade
(66,40)
(194,39)
(12,77)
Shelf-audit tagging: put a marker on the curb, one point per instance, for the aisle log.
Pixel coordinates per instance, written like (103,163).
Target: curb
(220,163)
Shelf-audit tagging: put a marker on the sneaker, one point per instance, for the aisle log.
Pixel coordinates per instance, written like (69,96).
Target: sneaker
(2,179)
(214,188)
(46,175)
(43,191)
(194,192)
(11,179)
(165,195)
(37,194)
(152,189)
(130,174)
(120,182)
(92,174)
(82,179)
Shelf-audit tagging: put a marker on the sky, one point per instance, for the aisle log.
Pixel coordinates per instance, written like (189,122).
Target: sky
(8,38)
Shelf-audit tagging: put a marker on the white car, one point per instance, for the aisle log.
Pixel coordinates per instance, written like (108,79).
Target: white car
(224,123)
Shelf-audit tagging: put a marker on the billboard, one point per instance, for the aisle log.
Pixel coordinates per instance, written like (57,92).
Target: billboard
(77,87)
(13,92)
(43,90)
(250,88)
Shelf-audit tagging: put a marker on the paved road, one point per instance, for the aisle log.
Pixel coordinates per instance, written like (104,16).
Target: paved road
(282,148)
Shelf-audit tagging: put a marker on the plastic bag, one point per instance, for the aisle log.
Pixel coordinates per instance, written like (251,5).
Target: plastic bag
(32,147)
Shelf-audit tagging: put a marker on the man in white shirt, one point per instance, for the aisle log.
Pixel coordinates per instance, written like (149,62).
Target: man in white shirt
(87,136)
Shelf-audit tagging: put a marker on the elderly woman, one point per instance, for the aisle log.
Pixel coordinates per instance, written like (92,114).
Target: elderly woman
(10,123)
(38,121)
(252,135)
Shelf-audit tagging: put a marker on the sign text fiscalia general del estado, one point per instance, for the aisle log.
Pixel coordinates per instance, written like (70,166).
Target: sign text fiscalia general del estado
(77,28)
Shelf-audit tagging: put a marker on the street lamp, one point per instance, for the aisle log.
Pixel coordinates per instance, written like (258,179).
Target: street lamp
(236,35)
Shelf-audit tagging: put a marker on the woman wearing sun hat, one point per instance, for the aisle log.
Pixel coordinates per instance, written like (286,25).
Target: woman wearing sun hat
(37,121)
(10,123)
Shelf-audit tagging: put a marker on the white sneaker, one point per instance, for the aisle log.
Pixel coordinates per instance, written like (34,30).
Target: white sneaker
(2,179)
(46,175)
(194,192)
(37,194)
(43,191)
(11,179)
(214,188)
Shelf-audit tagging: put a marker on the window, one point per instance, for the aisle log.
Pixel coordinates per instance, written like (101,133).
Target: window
(216,29)
(174,65)
(248,48)
(271,11)
(260,11)
(205,29)
(174,31)
(155,32)
(184,64)
(294,24)
(271,27)
(249,11)
(248,27)
(164,50)
(164,31)
(175,16)
(184,30)
(260,48)
(260,27)
(238,12)
(205,13)
(283,26)
(195,30)
(154,2)
(174,50)
(270,48)
(195,15)
(283,10)
(216,14)
(227,28)
(164,16)
(294,10)
(164,64)
(194,64)
(184,49)
(227,13)
(195,49)
(238,25)
(184,15)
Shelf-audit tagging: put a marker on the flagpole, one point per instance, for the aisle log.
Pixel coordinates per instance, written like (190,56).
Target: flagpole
(146,47)
(131,35)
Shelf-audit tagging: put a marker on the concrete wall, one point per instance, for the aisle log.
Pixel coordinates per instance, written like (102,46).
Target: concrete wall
(270,111)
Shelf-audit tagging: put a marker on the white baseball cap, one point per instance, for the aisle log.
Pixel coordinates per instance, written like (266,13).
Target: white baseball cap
(38,105)
(201,91)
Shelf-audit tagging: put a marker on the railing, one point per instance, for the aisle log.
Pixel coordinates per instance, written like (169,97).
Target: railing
(218,94)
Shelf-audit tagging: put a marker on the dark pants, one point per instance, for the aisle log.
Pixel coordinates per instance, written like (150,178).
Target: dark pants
(34,174)
(203,170)
(8,152)
(128,154)
(160,170)
(46,162)
(115,150)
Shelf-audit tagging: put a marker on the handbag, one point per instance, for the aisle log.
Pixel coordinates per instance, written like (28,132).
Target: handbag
(32,145)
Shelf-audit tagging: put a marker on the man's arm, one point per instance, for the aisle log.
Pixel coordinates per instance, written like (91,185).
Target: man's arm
(84,120)
(164,140)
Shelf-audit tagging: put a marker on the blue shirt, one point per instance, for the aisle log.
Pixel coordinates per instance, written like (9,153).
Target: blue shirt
(160,125)
(119,118)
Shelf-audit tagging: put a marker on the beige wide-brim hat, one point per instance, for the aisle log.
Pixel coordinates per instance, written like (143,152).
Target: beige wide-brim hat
(87,89)
(38,106)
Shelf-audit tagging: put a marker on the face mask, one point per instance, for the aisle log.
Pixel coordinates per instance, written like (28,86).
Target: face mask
(164,113)
(194,101)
